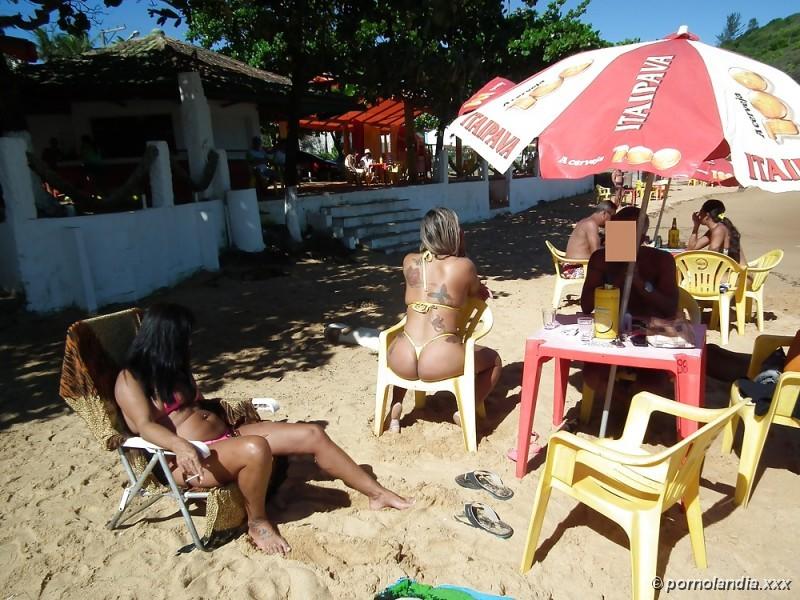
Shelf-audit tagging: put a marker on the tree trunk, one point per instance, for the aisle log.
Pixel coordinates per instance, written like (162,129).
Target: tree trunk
(291,201)
(411,141)
(440,164)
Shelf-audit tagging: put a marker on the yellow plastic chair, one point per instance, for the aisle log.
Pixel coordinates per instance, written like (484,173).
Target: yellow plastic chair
(702,272)
(757,271)
(477,321)
(631,486)
(559,260)
(756,428)
(688,307)
(602,193)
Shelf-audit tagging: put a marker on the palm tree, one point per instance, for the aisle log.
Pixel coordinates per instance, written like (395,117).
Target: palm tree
(51,45)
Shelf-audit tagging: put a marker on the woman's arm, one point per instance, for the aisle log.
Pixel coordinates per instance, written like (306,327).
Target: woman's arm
(138,410)
(695,241)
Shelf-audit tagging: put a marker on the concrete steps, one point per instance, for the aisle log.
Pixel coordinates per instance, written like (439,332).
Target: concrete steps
(387,225)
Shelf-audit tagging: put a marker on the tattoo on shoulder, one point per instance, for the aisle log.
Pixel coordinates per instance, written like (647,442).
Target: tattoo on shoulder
(413,278)
(438,323)
(442,297)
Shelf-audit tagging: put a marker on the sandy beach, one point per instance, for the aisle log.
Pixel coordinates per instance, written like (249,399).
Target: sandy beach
(260,333)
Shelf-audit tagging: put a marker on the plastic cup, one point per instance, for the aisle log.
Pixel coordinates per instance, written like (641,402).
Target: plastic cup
(586,328)
(549,318)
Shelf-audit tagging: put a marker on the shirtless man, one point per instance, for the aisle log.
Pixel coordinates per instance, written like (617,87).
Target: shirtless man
(654,289)
(585,238)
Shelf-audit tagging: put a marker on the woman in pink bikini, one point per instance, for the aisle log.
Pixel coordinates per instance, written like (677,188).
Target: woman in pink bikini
(439,279)
(159,400)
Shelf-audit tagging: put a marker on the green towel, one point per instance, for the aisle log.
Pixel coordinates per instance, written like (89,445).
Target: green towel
(408,588)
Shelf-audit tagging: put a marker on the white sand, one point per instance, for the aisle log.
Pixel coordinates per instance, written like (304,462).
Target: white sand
(264,337)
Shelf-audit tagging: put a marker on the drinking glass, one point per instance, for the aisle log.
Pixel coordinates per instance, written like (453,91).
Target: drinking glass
(586,328)
(549,318)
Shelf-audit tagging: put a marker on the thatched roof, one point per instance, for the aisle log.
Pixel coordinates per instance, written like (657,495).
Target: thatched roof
(147,67)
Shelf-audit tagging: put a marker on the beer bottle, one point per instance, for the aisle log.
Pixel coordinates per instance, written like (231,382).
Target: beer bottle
(674,239)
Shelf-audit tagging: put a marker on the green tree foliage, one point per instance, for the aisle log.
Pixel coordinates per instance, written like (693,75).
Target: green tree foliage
(51,45)
(733,29)
(536,40)
(777,43)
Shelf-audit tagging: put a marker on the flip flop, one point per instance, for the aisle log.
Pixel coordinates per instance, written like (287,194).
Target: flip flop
(484,517)
(488,481)
(468,483)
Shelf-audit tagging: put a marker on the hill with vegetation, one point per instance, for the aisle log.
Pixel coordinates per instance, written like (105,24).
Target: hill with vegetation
(777,43)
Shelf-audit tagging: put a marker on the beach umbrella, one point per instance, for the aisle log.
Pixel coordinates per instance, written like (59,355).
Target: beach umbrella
(663,107)
(716,172)
(495,87)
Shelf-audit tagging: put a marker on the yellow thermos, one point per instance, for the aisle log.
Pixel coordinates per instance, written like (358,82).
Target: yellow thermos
(606,312)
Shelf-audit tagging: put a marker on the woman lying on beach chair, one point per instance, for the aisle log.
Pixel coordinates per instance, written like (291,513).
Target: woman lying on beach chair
(159,400)
(439,279)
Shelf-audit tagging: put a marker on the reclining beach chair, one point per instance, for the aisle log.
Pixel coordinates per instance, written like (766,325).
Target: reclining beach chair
(631,485)
(477,322)
(95,350)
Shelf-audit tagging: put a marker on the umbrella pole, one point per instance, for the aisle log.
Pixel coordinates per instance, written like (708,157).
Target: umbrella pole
(663,204)
(626,293)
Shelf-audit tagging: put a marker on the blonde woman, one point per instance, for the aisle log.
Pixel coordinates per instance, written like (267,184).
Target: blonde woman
(438,280)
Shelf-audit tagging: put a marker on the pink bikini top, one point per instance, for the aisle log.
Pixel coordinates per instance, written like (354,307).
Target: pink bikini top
(177,401)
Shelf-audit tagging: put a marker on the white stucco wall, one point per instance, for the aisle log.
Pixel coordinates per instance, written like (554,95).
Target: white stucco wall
(469,199)
(127,255)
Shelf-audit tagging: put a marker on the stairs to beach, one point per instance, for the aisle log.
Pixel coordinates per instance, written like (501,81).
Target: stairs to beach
(386,225)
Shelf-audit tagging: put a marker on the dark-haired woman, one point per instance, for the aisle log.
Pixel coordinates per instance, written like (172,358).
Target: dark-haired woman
(439,279)
(720,235)
(159,398)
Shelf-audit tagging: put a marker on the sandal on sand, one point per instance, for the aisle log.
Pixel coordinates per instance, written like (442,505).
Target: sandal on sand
(485,480)
(534,449)
(484,517)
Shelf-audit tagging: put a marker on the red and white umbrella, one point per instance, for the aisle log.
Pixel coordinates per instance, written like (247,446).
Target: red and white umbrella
(494,88)
(664,107)
(716,172)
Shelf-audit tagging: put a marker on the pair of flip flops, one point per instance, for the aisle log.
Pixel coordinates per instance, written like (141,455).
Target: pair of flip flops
(485,480)
(484,517)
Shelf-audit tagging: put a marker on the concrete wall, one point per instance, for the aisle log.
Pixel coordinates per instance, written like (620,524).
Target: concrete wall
(9,267)
(102,259)
(234,125)
(469,199)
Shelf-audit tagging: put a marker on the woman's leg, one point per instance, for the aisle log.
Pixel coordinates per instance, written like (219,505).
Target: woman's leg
(403,362)
(309,438)
(247,460)
(488,367)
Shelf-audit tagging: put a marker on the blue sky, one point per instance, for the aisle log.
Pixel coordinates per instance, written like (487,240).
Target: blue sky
(615,19)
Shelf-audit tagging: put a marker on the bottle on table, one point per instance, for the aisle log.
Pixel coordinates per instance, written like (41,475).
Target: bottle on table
(674,239)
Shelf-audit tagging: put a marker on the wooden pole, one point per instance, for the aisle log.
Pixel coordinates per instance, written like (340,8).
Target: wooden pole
(626,293)
(663,204)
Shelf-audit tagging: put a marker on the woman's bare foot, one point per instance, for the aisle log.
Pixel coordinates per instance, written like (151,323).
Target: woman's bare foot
(388,499)
(457,418)
(266,537)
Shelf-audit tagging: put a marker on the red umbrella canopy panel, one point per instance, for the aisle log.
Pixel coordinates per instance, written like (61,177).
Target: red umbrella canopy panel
(663,106)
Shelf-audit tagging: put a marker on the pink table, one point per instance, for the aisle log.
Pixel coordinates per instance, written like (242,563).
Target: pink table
(687,364)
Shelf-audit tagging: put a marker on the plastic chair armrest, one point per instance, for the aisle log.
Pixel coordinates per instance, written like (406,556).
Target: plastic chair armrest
(573,442)
(763,347)
(142,444)
(644,404)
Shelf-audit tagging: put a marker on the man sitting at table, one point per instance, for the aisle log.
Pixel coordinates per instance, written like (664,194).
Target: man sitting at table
(585,238)
(654,288)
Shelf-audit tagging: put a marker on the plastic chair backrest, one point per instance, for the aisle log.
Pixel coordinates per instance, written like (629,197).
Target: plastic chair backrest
(701,272)
(760,268)
(476,318)
(688,307)
(686,457)
(557,255)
